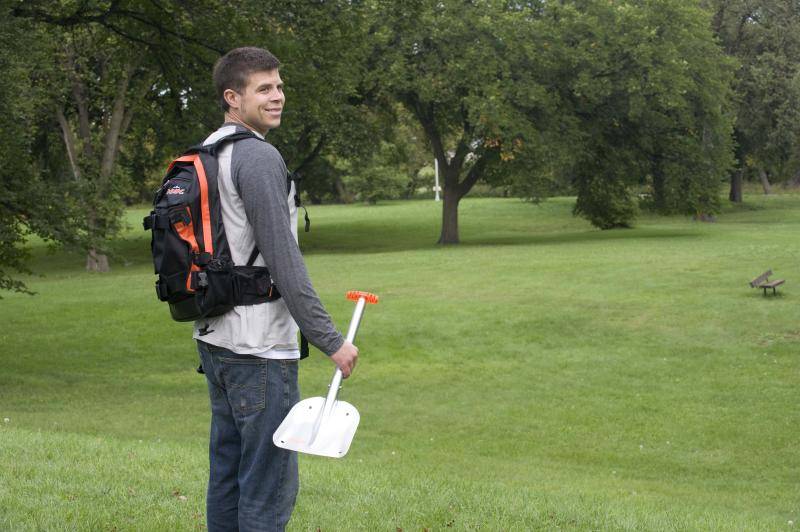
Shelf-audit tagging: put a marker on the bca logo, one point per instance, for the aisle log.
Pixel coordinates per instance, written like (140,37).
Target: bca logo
(177,189)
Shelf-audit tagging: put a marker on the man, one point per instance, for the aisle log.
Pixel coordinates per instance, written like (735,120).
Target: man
(250,354)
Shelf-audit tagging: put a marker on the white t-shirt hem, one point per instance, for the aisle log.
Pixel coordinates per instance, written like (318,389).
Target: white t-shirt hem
(275,353)
(279,354)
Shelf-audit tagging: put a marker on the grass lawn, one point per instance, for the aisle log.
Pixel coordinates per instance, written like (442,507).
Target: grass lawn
(541,375)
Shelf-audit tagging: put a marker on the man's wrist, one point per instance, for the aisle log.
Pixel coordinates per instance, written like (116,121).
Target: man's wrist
(335,346)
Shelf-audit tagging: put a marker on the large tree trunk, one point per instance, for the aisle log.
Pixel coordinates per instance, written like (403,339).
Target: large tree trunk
(81,99)
(69,142)
(450,163)
(341,190)
(449,233)
(114,127)
(454,190)
(735,194)
(116,122)
(764,181)
(95,262)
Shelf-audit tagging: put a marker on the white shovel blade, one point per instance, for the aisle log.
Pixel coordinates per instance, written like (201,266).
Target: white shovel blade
(332,438)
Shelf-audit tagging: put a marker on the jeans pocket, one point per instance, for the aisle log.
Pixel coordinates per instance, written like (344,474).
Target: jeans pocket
(246,384)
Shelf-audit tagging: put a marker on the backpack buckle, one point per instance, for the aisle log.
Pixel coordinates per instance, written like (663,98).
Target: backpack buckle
(202,259)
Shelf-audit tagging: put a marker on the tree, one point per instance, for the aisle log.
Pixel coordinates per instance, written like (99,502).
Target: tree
(32,201)
(607,96)
(105,58)
(764,37)
(653,91)
(329,108)
(133,88)
(447,63)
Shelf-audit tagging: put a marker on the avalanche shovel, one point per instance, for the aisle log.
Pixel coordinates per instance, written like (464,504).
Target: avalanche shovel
(325,426)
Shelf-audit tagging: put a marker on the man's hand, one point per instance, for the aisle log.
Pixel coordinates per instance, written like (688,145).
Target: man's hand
(345,358)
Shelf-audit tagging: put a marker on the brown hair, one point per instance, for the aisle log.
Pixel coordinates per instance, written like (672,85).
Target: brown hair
(232,70)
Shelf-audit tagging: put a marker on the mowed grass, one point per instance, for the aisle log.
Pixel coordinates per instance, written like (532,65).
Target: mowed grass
(541,375)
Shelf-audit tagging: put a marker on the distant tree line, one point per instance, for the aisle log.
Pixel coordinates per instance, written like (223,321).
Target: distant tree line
(627,104)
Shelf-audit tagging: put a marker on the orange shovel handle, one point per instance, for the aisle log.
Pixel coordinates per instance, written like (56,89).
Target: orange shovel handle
(355,295)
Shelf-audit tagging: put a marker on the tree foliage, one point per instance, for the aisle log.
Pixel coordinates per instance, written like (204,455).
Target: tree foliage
(103,59)
(624,93)
(764,37)
(446,63)
(612,100)
(329,109)
(126,85)
(32,200)
(650,98)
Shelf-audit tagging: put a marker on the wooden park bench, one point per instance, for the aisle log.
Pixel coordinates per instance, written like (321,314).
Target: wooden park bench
(762,281)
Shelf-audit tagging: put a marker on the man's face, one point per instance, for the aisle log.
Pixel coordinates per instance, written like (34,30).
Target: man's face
(261,103)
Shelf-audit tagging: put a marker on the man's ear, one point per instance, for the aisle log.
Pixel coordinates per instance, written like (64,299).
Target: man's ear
(231,98)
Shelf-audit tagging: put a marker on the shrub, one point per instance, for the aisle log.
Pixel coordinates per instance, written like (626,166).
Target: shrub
(377,182)
(606,203)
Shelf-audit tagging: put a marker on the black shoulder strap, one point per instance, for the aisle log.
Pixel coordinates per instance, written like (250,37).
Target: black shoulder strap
(296,177)
(214,147)
(253,256)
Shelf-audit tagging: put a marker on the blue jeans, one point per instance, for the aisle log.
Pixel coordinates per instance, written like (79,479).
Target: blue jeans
(252,484)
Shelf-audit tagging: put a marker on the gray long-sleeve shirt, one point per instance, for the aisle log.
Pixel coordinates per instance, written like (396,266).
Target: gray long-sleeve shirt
(257,210)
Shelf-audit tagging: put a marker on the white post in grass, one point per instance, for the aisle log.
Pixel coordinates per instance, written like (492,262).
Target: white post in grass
(436,187)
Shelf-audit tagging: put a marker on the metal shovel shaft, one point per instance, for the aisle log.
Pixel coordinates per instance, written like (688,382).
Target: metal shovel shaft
(333,389)
(351,335)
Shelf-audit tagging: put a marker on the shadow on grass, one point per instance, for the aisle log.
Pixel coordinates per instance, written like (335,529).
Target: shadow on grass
(391,241)
(362,238)
(575,237)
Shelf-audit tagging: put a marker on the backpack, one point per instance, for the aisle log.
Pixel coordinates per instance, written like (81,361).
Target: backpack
(196,275)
